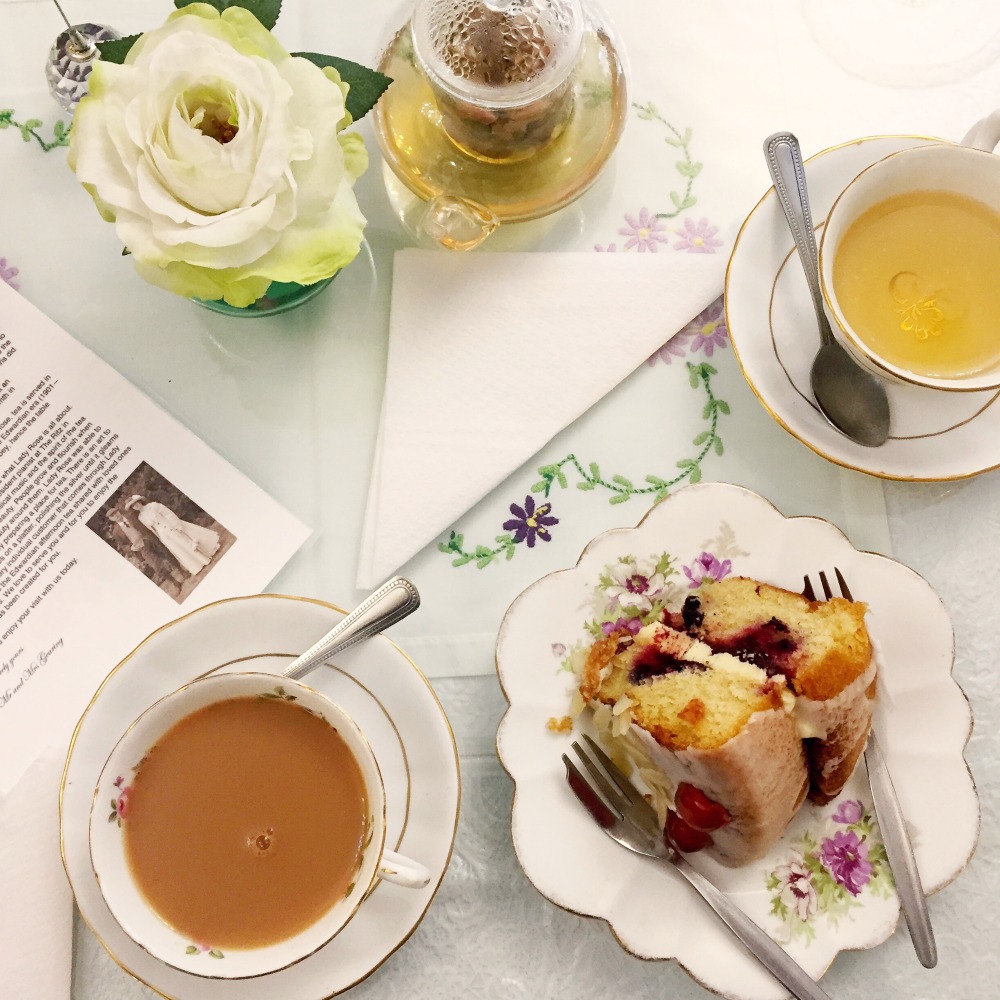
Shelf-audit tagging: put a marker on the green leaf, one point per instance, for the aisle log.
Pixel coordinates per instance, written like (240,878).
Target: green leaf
(461,560)
(717,444)
(266,11)
(687,168)
(625,484)
(215,953)
(541,486)
(701,438)
(620,498)
(116,49)
(585,485)
(484,562)
(676,199)
(722,405)
(190,950)
(695,476)
(367,85)
(595,472)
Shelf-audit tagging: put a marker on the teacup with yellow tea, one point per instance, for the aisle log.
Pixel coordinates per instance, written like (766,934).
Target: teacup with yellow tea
(908,262)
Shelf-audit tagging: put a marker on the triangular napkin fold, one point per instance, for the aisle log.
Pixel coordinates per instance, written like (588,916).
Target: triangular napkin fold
(490,356)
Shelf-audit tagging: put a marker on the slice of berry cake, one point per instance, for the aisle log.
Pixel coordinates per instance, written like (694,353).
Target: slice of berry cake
(821,648)
(734,708)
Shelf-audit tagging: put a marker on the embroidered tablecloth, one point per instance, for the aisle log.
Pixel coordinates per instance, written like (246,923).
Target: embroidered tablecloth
(293,402)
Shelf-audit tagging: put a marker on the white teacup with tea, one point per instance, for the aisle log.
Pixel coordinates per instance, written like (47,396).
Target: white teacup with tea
(239,824)
(909,260)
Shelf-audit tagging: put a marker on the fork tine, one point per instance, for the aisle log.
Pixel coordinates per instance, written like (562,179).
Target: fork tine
(612,794)
(844,589)
(613,771)
(585,793)
(827,591)
(807,589)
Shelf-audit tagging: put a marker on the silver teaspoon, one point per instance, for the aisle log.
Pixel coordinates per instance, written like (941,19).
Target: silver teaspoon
(852,399)
(391,603)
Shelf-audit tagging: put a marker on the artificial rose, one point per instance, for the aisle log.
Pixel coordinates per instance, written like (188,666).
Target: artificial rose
(220,158)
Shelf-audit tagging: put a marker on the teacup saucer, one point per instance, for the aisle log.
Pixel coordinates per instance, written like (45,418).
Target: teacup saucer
(935,435)
(376,683)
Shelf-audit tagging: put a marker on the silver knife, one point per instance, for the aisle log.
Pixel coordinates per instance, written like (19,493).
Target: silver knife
(899,850)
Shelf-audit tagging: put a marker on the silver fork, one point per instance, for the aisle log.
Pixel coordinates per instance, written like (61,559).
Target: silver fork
(628,818)
(892,823)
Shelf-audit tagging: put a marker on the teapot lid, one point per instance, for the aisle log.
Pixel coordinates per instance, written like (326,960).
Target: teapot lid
(499,52)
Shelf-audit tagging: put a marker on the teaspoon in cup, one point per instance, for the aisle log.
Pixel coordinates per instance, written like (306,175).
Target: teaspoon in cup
(391,603)
(852,400)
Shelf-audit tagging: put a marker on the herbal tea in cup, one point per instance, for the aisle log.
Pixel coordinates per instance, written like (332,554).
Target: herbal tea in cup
(908,264)
(245,827)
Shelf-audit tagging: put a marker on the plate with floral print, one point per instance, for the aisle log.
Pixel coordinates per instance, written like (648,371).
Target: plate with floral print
(934,434)
(826,886)
(376,683)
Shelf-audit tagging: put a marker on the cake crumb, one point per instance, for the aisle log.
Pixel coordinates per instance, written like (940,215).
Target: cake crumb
(561,725)
(693,712)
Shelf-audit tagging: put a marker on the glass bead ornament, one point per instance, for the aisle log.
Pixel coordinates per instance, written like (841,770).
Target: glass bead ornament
(71,58)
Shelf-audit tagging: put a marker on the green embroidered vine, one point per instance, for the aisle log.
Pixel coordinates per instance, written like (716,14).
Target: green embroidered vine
(685,166)
(621,488)
(29,130)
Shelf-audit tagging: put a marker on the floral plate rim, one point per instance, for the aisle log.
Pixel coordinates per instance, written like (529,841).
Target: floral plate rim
(517,643)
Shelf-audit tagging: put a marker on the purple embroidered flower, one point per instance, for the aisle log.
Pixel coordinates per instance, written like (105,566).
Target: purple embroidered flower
(8,273)
(707,568)
(610,248)
(644,233)
(846,857)
(529,523)
(708,329)
(849,812)
(119,781)
(559,649)
(631,625)
(795,889)
(673,348)
(698,237)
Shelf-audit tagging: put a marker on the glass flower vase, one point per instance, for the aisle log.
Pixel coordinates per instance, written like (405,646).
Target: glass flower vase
(279,297)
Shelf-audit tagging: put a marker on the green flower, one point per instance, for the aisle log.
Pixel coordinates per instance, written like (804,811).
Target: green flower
(219,158)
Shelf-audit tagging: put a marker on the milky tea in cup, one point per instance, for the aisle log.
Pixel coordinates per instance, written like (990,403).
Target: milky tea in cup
(910,267)
(239,824)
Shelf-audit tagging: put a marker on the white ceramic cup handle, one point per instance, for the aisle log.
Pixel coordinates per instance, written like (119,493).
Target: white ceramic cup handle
(402,871)
(985,134)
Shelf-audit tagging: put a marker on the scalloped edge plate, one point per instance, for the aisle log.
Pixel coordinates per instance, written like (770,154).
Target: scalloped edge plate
(923,718)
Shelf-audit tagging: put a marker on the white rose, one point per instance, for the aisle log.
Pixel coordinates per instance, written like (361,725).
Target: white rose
(219,158)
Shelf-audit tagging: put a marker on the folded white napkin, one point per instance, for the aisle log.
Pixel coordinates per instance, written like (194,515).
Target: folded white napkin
(36,912)
(490,356)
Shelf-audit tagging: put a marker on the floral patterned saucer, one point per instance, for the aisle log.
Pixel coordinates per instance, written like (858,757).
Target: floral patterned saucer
(934,435)
(826,886)
(376,683)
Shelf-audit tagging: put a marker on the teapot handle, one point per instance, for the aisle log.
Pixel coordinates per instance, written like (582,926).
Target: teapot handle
(985,134)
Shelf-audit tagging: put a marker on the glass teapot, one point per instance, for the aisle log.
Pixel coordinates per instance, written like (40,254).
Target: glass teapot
(500,111)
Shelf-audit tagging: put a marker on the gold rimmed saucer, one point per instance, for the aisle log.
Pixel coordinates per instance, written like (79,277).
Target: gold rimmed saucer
(934,436)
(376,683)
